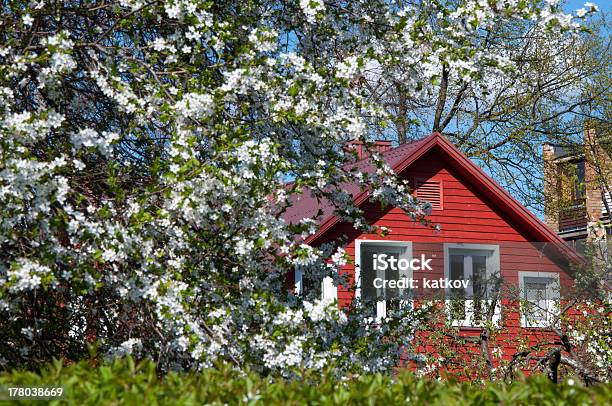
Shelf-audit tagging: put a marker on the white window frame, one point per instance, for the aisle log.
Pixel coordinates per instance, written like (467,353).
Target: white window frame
(493,265)
(329,291)
(552,305)
(381,305)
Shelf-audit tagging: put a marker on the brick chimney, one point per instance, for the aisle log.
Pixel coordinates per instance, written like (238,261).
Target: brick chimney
(382,145)
(362,150)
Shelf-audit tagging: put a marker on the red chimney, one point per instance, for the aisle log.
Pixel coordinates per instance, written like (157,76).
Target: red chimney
(357,146)
(362,152)
(382,146)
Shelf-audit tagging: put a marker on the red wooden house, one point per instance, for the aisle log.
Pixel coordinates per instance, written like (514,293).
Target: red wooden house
(483,230)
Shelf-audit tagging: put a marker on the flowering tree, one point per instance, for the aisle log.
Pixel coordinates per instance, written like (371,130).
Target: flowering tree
(145,152)
(533,86)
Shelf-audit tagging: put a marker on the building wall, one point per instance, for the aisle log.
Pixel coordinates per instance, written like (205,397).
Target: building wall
(598,176)
(570,219)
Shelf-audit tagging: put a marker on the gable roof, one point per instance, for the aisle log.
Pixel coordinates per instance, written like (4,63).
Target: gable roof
(400,158)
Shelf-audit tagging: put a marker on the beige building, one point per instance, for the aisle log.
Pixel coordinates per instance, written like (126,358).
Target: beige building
(577,185)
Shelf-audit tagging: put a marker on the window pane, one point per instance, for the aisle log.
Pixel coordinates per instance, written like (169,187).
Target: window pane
(368,291)
(580,245)
(536,293)
(456,269)
(456,263)
(369,274)
(457,305)
(479,275)
(479,280)
(390,274)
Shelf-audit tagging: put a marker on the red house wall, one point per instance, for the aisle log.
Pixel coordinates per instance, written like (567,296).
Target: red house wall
(466,216)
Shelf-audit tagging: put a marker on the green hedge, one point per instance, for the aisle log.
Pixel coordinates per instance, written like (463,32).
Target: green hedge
(124,382)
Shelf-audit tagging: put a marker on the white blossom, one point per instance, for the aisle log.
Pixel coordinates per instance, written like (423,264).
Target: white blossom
(312,9)
(27,20)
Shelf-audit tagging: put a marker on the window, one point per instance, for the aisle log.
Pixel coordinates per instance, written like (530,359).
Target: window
(326,289)
(579,244)
(478,264)
(571,181)
(539,292)
(378,263)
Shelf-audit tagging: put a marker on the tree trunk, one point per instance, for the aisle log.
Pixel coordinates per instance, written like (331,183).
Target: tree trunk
(441,98)
(402,110)
(484,350)
(554,359)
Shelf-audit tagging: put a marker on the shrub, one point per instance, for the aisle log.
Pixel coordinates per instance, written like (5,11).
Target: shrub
(127,382)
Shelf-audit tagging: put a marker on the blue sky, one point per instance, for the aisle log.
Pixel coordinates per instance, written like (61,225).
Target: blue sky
(573,5)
